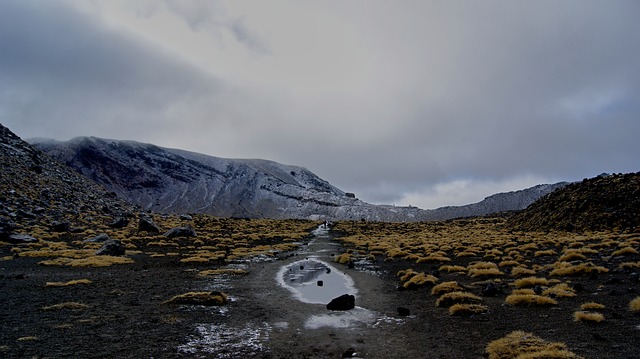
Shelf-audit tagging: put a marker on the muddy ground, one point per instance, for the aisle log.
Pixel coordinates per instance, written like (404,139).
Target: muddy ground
(125,316)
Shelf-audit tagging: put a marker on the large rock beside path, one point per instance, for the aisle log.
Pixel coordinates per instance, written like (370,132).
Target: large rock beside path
(111,247)
(343,302)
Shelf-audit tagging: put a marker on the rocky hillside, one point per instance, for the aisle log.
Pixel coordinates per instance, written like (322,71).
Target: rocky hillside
(170,180)
(603,202)
(36,189)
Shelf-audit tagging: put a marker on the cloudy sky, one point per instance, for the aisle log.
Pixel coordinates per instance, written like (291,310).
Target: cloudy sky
(427,103)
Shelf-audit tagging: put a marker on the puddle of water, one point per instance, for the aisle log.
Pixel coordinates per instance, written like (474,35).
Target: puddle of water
(222,341)
(341,320)
(314,281)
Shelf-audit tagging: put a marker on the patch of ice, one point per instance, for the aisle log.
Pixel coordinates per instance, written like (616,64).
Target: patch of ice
(222,341)
(346,319)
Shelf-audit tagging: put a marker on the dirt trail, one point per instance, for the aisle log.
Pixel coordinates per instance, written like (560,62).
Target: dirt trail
(266,319)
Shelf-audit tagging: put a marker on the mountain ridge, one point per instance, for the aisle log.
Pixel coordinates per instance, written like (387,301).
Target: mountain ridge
(174,180)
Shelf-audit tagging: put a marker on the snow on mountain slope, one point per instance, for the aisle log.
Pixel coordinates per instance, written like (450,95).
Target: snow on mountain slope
(173,180)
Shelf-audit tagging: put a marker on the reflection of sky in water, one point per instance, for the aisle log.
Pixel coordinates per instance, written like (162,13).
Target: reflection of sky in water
(302,277)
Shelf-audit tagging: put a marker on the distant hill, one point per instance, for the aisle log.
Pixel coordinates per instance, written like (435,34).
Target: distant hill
(171,180)
(604,202)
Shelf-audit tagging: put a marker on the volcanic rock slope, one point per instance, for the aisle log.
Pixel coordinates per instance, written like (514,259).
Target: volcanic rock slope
(35,188)
(171,180)
(606,202)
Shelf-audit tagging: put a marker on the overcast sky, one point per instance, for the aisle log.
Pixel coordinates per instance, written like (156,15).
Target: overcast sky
(427,103)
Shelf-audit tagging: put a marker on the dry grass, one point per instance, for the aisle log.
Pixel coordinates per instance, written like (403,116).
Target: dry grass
(592,306)
(95,261)
(449,299)
(590,317)
(452,268)
(227,271)
(69,283)
(529,300)
(485,272)
(530,282)
(343,258)
(522,271)
(564,269)
(626,251)
(446,287)
(523,345)
(634,305)
(66,305)
(199,298)
(466,310)
(561,290)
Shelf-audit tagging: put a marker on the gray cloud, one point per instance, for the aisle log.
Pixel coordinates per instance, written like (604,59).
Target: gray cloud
(396,102)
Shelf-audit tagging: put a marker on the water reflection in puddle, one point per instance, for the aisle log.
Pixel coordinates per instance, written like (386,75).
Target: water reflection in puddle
(314,281)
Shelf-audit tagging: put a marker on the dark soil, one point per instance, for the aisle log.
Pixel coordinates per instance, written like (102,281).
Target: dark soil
(126,316)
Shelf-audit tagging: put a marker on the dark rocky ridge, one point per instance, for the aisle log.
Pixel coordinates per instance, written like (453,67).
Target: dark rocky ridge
(170,180)
(601,203)
(36,189)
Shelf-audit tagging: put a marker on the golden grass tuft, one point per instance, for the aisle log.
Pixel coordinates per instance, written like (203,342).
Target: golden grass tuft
(529,300)
(446,287)
(418,280)
(548,252)
(95,261)
(522,271)
(452,268)
(199,298)
(69,283)
(634,305)
(564,269)
(228,271)
(66,305)
(466,310)
(530,282)
(522,345)
(343,258)
(561,290)
(626,251)
(592,306)
(590,317)
(485,272)
(449,299)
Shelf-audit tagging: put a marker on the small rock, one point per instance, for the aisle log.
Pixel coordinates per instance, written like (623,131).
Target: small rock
(146,224)
(186,231)
(112,247)
(186,217)
(20,238)
(320,283)
(349,353)
(490,290)
(403,312)
(343,302)
(119,222)
(57,226)
(538,289)
(102,237)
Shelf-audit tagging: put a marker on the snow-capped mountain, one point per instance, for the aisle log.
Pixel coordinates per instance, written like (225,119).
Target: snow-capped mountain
(171,180)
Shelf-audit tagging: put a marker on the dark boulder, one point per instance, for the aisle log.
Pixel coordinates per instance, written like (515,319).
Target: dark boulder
(20,238)
(146,224)
(403,312)
(185,231)
(119,222)
(111,247)
(186,217)
(343,302)
(491,290)
(102,237)
(57,226)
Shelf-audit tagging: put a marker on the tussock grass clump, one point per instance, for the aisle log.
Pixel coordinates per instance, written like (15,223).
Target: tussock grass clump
(95,261)
(522,345)
(227,271)
(466,310)
(485,272)
(508,263)
(561,290)
(529,300)
(530,282)
(452,268)
(413,280)
(634,305)
(564,269)
(433,258)
(343,258)
(548,252)
(592,306)
(66,305)
(590,317)
(522,271)
(629,265)
(199,298)
(69,283)
(449,299)
(194,259)
(626,251)
(446,287)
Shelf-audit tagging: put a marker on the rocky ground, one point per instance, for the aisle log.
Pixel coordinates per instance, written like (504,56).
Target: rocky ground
(122,314)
